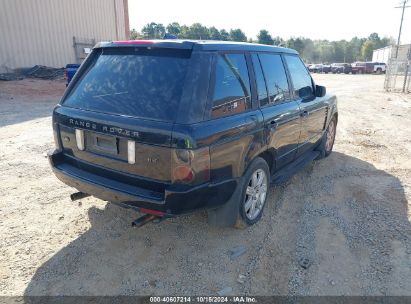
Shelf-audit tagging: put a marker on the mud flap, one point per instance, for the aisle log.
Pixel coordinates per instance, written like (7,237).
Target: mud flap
(227,215)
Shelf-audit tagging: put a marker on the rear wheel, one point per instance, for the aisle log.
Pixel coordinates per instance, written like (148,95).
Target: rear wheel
(379,71)
(254,193)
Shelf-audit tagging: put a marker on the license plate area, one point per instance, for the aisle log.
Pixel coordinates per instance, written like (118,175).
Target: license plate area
(105,144)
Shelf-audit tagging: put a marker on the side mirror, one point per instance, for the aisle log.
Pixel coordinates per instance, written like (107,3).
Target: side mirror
(320,91)
(306,93)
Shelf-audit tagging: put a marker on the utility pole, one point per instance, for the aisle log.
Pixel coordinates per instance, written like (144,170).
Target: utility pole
(404,2)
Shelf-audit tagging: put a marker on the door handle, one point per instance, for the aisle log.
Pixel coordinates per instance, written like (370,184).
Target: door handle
(305,114)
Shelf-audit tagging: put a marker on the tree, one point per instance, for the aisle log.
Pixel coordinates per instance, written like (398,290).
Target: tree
(278,41)
(237,35)
(214,33)
(135,35)
(225,36)
(264,37)
(184,31)
(296,44)
(153,31)
(367,48)
(198,31)
(314,51)
(174,28)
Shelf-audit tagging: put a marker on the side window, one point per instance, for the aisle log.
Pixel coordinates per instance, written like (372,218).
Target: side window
(232,86)
(260,81)
(277,83)
(300,77)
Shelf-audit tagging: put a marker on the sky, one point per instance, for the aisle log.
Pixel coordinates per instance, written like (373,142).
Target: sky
(315,19)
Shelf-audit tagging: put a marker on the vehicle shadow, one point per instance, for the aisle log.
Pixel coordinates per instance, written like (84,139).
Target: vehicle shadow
(185,256)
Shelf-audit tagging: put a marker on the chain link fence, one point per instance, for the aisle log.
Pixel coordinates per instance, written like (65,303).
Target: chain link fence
(398,74)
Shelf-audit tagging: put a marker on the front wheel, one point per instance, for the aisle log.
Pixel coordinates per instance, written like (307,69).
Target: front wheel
(327,142)
(254,193)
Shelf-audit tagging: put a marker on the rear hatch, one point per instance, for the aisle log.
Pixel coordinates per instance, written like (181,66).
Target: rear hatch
(124,102)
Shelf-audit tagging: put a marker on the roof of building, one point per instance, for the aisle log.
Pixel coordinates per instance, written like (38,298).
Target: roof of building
(206,45)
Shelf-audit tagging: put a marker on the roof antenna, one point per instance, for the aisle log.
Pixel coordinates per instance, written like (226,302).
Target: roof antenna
(169,36)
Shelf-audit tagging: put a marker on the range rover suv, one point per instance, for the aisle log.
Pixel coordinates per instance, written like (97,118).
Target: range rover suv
(172,126)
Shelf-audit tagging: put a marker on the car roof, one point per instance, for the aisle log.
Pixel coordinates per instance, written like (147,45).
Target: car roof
(205,45)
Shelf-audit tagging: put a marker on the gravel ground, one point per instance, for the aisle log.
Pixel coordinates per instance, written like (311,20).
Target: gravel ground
(339,227)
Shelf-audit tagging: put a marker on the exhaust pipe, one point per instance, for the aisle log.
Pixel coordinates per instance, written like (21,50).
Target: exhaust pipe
(145,219)
(78,195)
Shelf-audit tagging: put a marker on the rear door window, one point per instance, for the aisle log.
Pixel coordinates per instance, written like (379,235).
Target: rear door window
(277,83)
(300,77)
(232,86)
(260,81)
(132,81)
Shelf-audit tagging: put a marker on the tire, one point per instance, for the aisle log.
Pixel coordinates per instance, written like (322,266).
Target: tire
(254,193)
(379,71)
(327,141)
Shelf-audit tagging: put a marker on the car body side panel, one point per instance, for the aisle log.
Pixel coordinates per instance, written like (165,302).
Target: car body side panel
(314,114)
(233,140)
(282,130)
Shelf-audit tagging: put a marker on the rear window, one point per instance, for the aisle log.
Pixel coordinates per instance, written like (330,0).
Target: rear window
(132,81)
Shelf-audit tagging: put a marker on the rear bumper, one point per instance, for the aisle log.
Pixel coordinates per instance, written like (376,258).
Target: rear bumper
(171,200)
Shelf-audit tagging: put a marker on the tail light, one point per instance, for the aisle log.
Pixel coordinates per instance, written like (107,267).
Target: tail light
(191,166)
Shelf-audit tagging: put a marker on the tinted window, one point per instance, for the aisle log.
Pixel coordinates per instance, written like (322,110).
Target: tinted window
(275,76)
(259,77)
(300,77)
(135,82)
(232,85)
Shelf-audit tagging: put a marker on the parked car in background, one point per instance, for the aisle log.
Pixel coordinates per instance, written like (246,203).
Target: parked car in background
(320,68)
(314,68)
(326,68)
(70,71)
(368,67)
(198,125)
(358,67)
(379,67)
(338,68)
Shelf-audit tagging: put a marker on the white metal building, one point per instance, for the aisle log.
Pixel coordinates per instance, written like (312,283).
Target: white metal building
(56,32)
(385,53)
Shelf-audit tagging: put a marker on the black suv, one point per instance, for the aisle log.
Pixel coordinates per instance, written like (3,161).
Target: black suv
(341,68)
(171,126)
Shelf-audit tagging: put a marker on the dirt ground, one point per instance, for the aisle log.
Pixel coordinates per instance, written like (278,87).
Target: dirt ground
(348,215)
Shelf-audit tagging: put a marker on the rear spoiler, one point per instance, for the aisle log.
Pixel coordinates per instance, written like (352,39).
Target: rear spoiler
(170,43)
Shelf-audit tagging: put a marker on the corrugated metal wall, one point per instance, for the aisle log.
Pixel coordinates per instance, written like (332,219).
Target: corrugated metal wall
(384,54)
(41,31)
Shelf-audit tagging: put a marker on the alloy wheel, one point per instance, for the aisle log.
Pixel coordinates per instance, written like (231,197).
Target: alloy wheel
(330,136)
(256,194)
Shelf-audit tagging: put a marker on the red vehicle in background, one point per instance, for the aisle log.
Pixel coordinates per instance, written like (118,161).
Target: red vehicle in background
(358,67)
(368,67)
